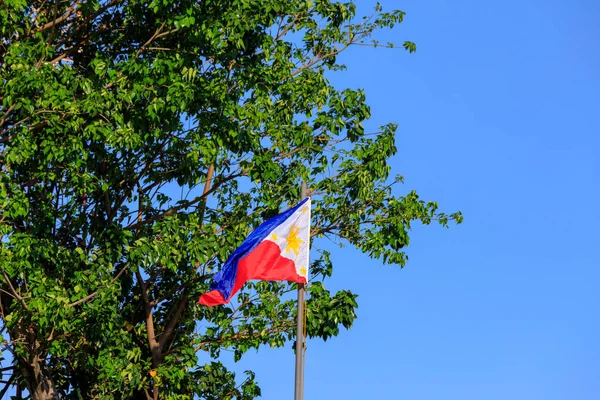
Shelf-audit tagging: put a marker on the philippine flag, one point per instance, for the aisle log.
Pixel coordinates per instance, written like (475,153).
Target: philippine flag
(275,251)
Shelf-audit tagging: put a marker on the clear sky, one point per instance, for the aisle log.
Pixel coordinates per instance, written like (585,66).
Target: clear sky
(499,117)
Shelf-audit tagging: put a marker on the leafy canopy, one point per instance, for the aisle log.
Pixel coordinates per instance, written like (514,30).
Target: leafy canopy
(140,142)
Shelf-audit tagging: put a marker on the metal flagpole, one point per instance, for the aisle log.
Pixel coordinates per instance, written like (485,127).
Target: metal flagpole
(299,385)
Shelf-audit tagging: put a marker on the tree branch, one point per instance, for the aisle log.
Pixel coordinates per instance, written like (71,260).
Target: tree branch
(92,295)
(69,12)
(6,115)
(136,181)
(168,331)
(73,10)
(13,291)
(7,386)
(186,204)
(153,344)
(245,335)
(158,31)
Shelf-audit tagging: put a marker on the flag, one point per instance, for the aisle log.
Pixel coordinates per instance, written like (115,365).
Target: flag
(275,251)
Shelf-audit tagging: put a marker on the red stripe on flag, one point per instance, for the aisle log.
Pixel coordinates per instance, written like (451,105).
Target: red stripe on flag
(264,263)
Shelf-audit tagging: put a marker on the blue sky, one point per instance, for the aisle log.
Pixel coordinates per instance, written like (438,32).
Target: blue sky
(499,118)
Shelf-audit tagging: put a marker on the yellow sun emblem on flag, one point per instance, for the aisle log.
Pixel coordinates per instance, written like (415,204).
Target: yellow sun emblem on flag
(293,242)
(303,271)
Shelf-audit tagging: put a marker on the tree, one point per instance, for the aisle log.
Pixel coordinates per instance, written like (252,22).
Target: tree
(140,142)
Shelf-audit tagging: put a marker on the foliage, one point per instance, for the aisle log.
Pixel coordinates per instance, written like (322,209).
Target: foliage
(140,142)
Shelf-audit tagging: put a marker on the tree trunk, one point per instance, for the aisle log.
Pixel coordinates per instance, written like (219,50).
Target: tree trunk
(37,379)
(39,384)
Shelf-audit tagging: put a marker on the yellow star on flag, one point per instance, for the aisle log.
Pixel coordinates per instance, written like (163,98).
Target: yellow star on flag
(293,242)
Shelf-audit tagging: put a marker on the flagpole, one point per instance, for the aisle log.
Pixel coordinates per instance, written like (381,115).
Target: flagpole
(299,384)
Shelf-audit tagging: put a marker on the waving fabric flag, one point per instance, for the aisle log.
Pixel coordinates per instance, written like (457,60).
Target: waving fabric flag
(275,251)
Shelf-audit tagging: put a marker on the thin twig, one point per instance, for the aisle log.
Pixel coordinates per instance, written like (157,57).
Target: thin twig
(90,296)
(14,292)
